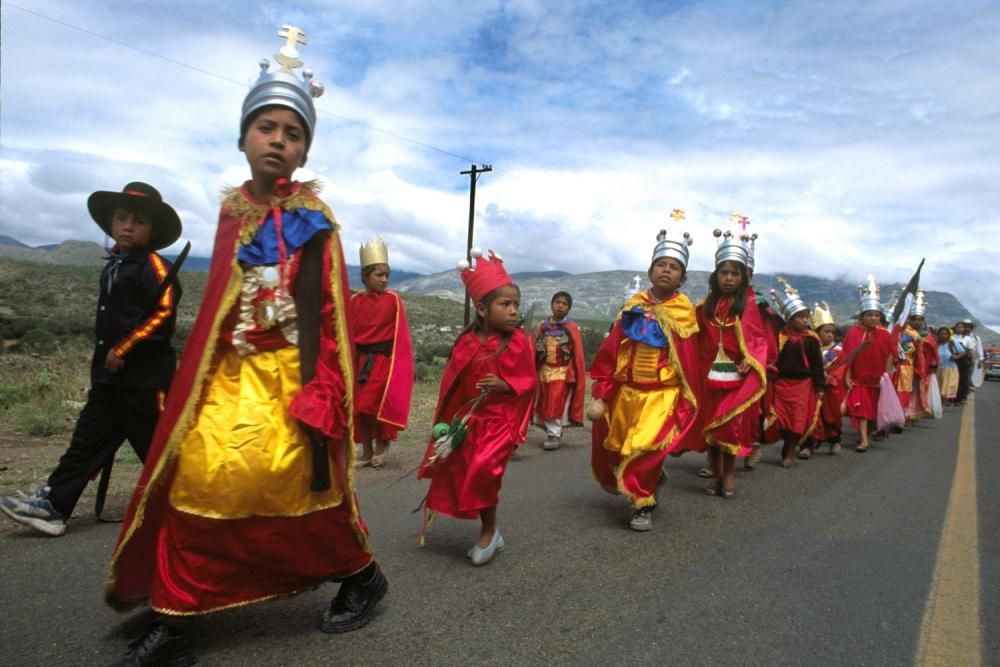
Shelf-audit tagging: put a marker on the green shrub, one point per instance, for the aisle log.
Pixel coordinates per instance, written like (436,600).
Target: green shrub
(426,372)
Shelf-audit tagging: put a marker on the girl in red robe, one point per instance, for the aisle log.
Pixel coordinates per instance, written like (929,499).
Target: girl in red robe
(801,381)
(383,358)
(561,381)
(868,366)
(733,358)
(490,379)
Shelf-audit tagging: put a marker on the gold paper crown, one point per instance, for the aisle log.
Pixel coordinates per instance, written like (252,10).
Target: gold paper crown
(822,315)
(374,252)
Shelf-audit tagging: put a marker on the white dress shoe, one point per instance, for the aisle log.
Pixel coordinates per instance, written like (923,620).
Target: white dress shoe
(483,555)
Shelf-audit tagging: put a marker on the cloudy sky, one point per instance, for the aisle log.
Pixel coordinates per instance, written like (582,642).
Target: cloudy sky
(857,136)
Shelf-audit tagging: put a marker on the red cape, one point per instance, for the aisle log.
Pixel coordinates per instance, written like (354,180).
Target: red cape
(133,562)
(395,407)
(684,354)
(753,346)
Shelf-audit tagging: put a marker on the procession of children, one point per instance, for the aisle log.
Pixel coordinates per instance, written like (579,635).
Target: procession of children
(248,488)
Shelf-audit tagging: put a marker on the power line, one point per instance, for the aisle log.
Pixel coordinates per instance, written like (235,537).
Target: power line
(354,121)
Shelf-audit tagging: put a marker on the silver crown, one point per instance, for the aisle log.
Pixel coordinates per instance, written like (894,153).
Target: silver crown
(672,245)
(283,87)
(732,247)
(868,296)
(788,300)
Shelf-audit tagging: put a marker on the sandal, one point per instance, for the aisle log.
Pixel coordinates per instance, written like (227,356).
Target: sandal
(706,473)
(862,448)
(728,494)
(713,489)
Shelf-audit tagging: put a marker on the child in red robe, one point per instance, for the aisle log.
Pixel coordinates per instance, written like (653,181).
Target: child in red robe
(733,358)
(489,381)
(798,390)
(383,358)
(561,381)
(869,365)
(828,427)
(247,492)
(919,364)
(646,385)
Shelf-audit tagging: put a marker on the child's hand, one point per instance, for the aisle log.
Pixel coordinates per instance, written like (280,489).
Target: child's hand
(113,363)
(494,383)
(743,367)
(596,410)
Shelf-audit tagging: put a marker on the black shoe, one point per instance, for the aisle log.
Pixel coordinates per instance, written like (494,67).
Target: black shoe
(355,602)
(160,646)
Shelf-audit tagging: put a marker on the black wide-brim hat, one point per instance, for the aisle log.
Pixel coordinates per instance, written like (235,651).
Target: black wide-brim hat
(140,197)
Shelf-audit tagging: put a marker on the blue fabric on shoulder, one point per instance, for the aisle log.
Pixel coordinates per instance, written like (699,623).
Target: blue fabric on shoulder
(297,227)
(640,325)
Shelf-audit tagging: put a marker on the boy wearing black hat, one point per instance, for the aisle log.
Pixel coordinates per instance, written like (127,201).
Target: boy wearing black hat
(133,360)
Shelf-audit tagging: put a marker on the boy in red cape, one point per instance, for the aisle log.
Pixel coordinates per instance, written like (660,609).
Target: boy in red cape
(247,493)
(489,382)
(869,365)
(384,358)
(645,385)
(562,385)
(828,427)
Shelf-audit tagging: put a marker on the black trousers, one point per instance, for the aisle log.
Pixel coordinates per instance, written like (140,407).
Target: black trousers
(964,379)
(111,416)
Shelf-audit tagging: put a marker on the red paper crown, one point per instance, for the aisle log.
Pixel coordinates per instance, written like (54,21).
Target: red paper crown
(488,274)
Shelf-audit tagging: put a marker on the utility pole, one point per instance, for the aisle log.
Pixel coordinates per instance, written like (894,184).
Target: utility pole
(473,175)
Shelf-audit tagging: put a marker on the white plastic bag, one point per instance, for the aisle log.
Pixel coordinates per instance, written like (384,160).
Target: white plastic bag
(934,397)
(890,412)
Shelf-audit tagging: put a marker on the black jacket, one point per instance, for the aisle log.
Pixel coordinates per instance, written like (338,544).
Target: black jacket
(128,322)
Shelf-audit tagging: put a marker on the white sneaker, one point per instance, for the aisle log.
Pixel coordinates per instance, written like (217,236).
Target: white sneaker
(642,520)
(35,512)
(551,443)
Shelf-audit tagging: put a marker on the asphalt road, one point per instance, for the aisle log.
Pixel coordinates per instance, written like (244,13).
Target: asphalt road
(828,563)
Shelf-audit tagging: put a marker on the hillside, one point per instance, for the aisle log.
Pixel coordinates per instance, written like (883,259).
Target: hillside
(86,253)
(598,296)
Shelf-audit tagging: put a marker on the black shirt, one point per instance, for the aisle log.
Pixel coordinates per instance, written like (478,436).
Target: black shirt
(794,364)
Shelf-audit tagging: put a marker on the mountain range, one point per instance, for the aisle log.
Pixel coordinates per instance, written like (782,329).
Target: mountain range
(596,296)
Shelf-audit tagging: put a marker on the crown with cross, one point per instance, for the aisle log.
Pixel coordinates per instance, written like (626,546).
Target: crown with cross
(735,246)
(283,87)
(672,243)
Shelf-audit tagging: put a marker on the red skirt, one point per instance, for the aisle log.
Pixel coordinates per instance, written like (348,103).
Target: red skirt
(205,564)
(862,401)
(368,397)
(795,405)
(830,421)
(552,398)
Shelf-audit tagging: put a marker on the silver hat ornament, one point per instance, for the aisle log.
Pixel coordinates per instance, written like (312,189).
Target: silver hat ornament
(283,87)
(734,246)
(919,308)
(672,243)
(788,301)
(868,295)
